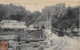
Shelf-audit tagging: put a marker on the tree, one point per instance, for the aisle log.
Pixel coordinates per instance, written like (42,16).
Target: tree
(2,11)
(13,12)
(69,20)
(31,18)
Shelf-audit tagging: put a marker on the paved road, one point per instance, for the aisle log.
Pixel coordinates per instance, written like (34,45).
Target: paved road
(61,43)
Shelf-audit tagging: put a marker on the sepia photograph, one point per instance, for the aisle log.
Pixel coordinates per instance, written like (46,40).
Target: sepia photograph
(39,25)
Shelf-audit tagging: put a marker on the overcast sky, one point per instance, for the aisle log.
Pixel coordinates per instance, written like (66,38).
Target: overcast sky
(34,5)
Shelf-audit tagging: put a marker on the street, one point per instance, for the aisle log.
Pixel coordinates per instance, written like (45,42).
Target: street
(63,43)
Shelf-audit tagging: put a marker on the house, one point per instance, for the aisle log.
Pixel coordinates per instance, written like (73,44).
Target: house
(39,25)
(31,27)
(12,24)
(8,37)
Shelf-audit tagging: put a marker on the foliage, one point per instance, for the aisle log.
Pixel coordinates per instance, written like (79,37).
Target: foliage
(61,17)
(2,11)
(31,18)
(13,12)
(69,20)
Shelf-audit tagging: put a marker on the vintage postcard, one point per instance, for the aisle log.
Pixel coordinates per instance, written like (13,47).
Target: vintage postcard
(39,25)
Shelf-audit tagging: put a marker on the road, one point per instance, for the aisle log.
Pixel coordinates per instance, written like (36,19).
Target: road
(61,43)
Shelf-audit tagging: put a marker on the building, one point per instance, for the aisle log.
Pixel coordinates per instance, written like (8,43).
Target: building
(8,37)
(40,25)
(12,24)
(31,27)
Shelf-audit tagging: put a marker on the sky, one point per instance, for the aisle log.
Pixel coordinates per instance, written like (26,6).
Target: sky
(38,5)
